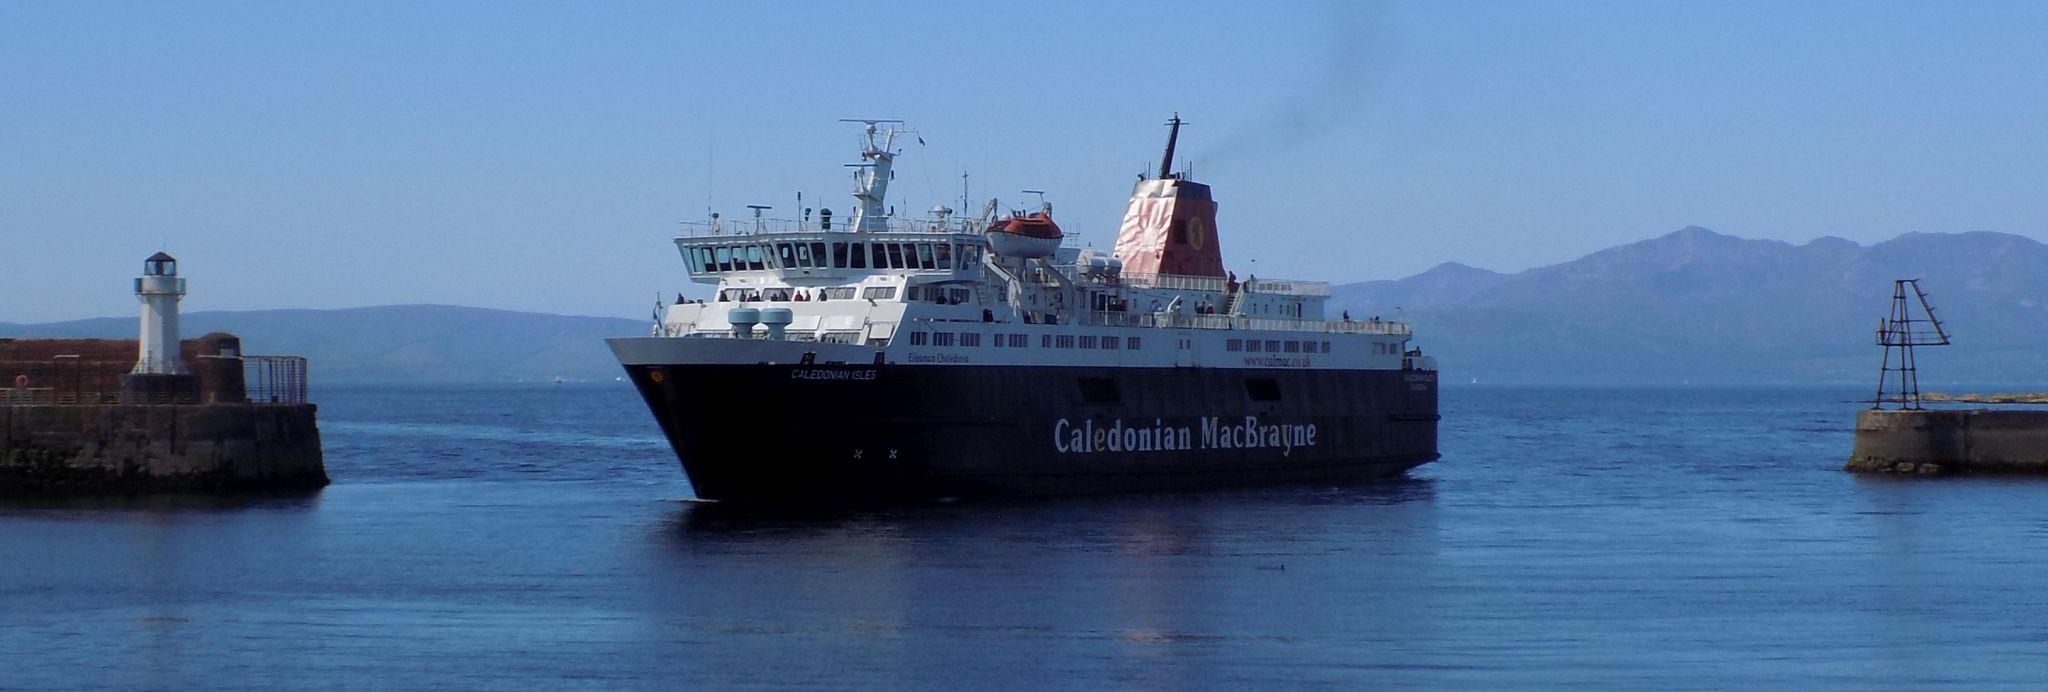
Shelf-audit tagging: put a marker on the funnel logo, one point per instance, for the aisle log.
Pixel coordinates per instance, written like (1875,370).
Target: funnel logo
(1197,235)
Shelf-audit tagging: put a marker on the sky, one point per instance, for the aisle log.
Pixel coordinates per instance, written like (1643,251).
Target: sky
(538,156)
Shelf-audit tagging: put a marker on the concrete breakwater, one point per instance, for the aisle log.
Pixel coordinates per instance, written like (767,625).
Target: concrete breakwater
(122,448)
(1936,442)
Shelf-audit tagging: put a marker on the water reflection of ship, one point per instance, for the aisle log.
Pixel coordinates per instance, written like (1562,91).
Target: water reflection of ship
(1170,591)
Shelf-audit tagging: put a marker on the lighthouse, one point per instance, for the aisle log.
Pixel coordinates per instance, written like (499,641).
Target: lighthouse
(159,289)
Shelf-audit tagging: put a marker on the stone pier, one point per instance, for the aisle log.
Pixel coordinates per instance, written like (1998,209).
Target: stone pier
(76,421)
(161,448)
(1954,441)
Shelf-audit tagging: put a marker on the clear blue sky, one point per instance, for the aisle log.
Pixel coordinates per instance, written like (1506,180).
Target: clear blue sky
(536,156)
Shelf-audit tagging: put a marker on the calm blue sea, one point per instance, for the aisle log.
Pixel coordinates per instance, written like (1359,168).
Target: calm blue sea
(538,537)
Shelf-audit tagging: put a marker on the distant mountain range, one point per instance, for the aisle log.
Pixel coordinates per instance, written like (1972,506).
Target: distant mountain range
(1699,306)
(1690,306)
(436,343)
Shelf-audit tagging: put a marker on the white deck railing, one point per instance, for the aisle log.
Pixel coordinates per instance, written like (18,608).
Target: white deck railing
(1183,282)
(1168,320)
(840,224)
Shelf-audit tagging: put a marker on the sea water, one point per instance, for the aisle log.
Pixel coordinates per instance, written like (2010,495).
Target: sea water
(539,537)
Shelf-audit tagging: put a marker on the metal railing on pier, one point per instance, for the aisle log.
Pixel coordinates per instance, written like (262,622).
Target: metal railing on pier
(69,381)
(61,381)
(275,379)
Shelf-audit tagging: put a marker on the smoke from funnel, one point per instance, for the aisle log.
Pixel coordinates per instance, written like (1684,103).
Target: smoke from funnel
(1356,44)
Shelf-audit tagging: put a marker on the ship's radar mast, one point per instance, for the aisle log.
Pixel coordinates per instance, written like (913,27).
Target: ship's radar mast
(871,181)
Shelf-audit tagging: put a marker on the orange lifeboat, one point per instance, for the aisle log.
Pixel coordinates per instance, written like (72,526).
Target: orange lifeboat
(1026,235)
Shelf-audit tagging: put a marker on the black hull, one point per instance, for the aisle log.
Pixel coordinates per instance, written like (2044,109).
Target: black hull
(774,433)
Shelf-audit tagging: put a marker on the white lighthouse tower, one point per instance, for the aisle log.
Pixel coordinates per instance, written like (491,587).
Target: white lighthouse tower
(159,289)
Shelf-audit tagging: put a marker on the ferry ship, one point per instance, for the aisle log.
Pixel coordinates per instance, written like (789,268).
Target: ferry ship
(894,359)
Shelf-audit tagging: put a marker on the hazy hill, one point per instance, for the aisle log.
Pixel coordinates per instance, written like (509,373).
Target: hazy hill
(400,342)
(1706,307)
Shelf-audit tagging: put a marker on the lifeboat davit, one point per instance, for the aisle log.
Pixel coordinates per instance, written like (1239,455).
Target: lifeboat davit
(1027,235)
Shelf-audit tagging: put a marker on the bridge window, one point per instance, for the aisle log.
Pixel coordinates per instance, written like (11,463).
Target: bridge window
(754,257)
(839,255)
(945,255)
(924,256)
(818,254)
(895,252)
(724,258)
(787,253)
(880,259)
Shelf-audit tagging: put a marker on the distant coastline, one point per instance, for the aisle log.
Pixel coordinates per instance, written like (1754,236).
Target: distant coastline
(1691,307)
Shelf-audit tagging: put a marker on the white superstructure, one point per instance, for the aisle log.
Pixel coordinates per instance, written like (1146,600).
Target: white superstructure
(930,291)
